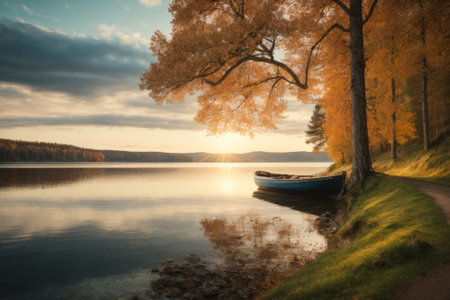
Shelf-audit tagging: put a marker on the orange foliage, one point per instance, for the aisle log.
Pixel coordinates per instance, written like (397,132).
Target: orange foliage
(239,58)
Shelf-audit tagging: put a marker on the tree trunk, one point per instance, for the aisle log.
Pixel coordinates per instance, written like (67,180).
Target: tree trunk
(426,137)
(425,105)
(362,166)
(394,137)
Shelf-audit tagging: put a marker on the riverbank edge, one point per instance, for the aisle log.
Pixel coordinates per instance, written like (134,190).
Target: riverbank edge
(390,233)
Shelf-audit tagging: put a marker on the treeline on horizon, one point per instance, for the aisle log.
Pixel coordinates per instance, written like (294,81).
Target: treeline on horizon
(23,151)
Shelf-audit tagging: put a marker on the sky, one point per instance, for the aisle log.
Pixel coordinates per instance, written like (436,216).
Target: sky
(69,73)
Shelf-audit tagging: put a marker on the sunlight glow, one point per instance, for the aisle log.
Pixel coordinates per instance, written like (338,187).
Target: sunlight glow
(229,142)
(227,186)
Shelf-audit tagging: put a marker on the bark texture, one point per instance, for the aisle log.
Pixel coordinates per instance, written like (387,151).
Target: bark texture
(362,165)
(394,134)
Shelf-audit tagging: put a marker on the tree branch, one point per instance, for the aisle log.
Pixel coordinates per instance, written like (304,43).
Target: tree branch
(237,11)
(267,50)
(225,75)
(246,97)
(336,25)
(281,65)
(276,78)
(295,80)
(343,6)
(372,7)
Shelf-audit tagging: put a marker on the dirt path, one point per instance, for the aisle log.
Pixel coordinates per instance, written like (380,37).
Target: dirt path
(440,193)
(435,285)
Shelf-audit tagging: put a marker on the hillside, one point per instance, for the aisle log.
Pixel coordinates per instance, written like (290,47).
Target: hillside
(23,151)
(434,165)
(129,156)
(391,233)
(260,156)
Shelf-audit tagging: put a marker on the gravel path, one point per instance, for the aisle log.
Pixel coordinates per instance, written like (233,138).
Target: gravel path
(435,285)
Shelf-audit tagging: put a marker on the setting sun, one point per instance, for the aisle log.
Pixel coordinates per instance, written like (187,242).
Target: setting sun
(230,142)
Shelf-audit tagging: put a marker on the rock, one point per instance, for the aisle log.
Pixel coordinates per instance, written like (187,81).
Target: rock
(129,297)
(194,279)
(191,258)
(201,272)
(189,296)
(326,214)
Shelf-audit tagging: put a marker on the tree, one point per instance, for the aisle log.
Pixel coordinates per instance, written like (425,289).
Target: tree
(315,131)
(243,56)
(427,52)
(388,67)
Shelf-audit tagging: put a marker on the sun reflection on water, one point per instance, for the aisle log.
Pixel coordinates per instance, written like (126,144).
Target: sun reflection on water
(227,186)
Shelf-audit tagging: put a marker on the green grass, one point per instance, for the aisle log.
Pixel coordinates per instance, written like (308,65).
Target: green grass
(392,234)
(412,161)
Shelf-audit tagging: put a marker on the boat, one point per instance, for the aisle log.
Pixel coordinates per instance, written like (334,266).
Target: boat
(332,184)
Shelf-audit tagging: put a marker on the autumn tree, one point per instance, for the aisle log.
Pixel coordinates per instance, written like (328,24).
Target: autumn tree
(431,24)
(241,57)
(390,118)
(422,60)
(315,132)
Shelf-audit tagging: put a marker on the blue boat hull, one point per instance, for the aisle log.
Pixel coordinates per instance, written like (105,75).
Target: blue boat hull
(325,185)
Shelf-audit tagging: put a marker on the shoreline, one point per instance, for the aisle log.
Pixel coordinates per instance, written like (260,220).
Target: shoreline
(394,256)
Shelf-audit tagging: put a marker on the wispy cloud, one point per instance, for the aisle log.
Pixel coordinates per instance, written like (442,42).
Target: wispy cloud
(85,66)
(111,32)
(112,120)
(150,3)
(29,11)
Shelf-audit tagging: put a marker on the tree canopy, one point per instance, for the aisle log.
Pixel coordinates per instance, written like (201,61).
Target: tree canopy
(239,58)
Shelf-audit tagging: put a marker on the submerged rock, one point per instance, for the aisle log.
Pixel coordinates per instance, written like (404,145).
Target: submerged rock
(194,280)
(255,253)
(326,225)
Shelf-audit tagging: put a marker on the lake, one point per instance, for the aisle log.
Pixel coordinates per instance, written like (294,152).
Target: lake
(93,230)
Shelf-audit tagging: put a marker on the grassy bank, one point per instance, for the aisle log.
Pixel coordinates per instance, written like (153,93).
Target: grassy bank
(433,166)
(393,233)
(412,161)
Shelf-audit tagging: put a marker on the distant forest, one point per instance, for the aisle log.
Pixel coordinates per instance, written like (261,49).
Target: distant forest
(22,151)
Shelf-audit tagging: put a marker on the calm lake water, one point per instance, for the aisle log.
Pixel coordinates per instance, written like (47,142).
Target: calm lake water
(93,230)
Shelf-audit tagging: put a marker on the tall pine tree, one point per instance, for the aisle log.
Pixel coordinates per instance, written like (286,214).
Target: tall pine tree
(315,132)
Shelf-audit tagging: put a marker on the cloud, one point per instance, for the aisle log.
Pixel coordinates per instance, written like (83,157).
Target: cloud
(150,3)
(190,107)
(77,65)
(29,11)
(112,32)
(113,120)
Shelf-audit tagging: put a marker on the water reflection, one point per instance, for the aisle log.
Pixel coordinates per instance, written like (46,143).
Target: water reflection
(22,177)
(38,267)
(52,177)
(68,230)
(311,204)
(254,253)
(252,243)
